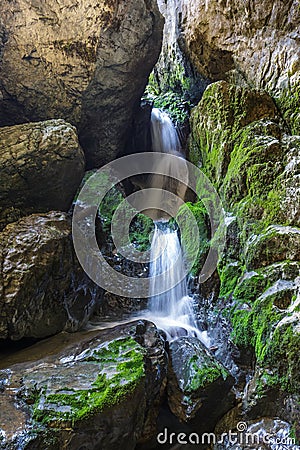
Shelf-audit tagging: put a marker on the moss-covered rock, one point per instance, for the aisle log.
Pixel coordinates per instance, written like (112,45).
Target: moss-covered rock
(288,101)
(188,239)
(277,243)
(244,147)
(194,375)
(103,387)
(268,326)
(221,113)
(117,369)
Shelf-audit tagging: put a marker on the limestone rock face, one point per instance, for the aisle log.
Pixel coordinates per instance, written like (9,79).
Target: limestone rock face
(255,42)
(41,282)
(245,149)
(87,63)
(42,165)
(261,39)
(95,389)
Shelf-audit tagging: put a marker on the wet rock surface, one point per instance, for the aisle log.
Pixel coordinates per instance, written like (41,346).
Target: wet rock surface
(196,380)
(44,289)
(87,63)
(267,433)
(42,165)
(97,389)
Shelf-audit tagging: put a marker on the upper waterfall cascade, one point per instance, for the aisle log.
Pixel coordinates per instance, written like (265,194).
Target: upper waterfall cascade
(164,135)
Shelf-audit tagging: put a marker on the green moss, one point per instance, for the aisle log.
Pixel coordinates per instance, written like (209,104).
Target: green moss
(222,113)
(253,168)
(250,288)
(265,381)
(187,234)
(171,93)
(203,375)
(121,369)
(252,326)
(275,346)
(174,104)
(289,105)
(175,81)
(282,352)
(229,276)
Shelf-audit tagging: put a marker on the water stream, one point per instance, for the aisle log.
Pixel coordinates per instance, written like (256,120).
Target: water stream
(172,310)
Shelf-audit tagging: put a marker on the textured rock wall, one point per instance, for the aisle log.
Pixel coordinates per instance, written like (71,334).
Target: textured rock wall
(244,147)
(86,62)
(250,41)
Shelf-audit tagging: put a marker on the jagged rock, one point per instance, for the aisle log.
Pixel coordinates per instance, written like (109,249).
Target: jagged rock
(97,389)
(44,289)
(42,165)
(277,243)
(87,63)
(196,380)
(270,325)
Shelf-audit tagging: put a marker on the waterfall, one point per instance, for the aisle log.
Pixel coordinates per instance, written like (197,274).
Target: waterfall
(172,309)
(163,133)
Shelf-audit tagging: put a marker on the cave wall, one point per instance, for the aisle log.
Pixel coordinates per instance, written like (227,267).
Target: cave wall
(254,43)
(86,62)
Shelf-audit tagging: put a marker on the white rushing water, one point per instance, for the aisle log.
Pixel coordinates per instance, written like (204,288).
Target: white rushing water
(172,310)
(164,136)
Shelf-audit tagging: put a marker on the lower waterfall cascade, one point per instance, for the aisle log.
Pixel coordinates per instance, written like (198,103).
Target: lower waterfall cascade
(172,310)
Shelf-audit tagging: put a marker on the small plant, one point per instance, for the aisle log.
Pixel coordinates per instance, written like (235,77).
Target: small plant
(173,96)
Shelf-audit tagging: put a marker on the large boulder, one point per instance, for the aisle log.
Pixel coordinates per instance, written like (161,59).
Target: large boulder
(44,289)
(87,63)
(41,167)
(92,390)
